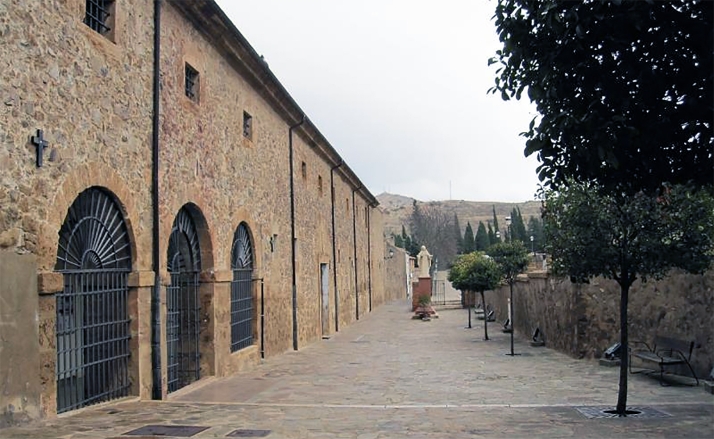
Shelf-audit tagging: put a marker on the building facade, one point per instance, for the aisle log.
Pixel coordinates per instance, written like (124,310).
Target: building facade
(167,210)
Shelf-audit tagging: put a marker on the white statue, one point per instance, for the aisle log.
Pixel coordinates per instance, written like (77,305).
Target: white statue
(424,261)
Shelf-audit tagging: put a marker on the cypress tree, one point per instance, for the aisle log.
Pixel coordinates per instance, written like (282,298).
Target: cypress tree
(469,243)
(482,238)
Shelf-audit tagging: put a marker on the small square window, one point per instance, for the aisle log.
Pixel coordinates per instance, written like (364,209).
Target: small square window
(192,83)
(247,126)
(99,16)
(303,168)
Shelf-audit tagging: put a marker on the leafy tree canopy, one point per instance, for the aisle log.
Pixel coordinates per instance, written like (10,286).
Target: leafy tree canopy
(624,88)
(474,272)
(512,257)
(589,233)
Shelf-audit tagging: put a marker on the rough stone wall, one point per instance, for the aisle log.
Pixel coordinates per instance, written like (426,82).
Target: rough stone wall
(583,319)
(314,241)
(345,252)
(383,290)
(360,227)
(50,63)
(44,80)
(92,96)
(395,277)
(207,161)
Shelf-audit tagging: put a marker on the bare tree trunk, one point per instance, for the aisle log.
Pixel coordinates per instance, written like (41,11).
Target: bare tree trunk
(485,317)
(513,328)
(624,354)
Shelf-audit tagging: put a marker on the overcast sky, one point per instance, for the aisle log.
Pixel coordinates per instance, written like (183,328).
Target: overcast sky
(399,88)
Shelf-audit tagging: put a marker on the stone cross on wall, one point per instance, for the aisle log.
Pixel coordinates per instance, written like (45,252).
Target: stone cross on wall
(40,145)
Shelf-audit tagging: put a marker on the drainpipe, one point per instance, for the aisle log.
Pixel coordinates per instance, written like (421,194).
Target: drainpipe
(334,245)
(292,231)
(354,240)
(262,315)
(156,289)
(369,255)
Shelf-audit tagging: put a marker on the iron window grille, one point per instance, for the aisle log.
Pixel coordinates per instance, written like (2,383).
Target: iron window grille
(191,83)
(247,126)
(241,290)
(98,15)
(92,311)
(183,309)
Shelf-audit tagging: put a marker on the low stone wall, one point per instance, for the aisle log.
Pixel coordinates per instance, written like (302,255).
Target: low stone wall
(583,319)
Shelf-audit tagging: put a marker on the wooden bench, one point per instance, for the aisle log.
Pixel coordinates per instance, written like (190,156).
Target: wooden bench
(665,352)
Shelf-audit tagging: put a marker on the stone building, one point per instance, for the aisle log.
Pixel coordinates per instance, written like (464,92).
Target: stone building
(167,210)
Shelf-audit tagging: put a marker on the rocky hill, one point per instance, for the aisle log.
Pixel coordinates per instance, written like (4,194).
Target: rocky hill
(397,210)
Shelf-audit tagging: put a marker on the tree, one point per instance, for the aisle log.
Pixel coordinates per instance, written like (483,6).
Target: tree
(592,233)
(482,241)
(491,235)
(512,258)
(457,233)
(535,229)
(624,89)
(398,241)
(469,244)
(475,272)
(518,229)
(432,226)
(496,230)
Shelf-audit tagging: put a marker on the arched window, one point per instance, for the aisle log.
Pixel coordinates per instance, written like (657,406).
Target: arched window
(182,303)
(241,289)
(92,311)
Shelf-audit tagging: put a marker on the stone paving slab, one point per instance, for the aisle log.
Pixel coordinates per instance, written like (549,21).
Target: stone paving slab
(388,376)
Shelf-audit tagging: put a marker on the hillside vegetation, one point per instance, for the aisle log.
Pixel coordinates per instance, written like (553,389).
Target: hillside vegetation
(397,210)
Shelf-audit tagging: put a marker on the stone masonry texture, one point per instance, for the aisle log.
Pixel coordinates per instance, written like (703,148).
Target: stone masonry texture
(584,319)
(91,94)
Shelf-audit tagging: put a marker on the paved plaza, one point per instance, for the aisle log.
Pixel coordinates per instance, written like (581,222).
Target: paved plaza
(388,376)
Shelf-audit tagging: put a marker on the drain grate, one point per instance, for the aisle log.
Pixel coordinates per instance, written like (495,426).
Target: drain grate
(166,430)
(599,412)
(248,433)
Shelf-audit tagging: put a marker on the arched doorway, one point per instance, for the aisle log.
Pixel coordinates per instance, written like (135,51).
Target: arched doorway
(182,303)
(92,311)
(242,314)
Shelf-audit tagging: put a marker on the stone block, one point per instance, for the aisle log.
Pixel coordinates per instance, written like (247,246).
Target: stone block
(50,282)
(139,279)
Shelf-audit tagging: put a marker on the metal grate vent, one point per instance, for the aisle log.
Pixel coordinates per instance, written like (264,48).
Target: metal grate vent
(248,433)
(599,412)
(166,430)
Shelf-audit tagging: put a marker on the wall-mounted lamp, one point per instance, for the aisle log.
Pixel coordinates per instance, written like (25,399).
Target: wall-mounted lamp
(390,255)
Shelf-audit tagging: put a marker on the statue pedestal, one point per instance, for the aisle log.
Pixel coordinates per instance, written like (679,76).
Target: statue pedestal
(420,288)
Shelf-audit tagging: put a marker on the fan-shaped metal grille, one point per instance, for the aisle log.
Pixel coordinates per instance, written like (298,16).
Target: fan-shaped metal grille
(93,235)
(242,254)
(184,248)
(241,291)
(182,303)
(92,317)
